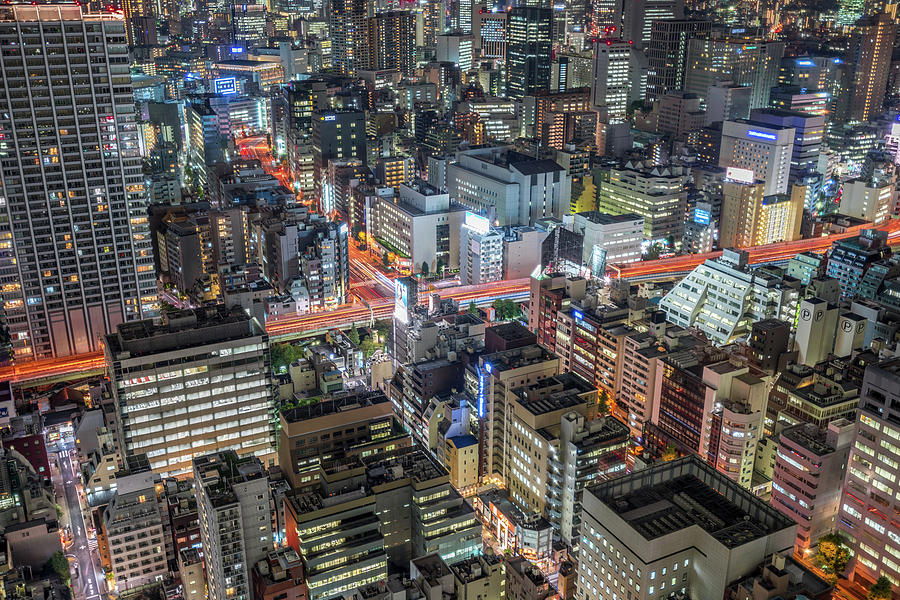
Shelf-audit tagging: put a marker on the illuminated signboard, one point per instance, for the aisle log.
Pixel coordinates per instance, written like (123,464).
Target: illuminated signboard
(701,216)
(225,86)
(329,118)
(762,135)
(806,63)
(739,175)
(236,50)
(477,223)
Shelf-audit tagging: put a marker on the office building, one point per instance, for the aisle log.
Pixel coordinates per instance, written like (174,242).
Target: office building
(810,102)
(709,406)
(233,507)
(679,114)
(551,293)
(742,60)
(868,61)
(648,524)
(609,239)
(694,301)
(133,528)
(77,259)
(750,218)
(457,49)
(654,192)
(418,227)
(528,50)
(769,342)
(489,29)
(809,132)
(667,53)
(525,581)
(508,187)
(642,353)
(727,101)
(638,16)
(478,577)
(193,361)
(371,511)
(337,135)
(480,251)
(810,466)
(613,85)
(872,477)
(871,201)
(762,148)
(346,424)
(805,396)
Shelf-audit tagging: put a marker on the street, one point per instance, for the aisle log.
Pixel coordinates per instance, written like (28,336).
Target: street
(85,586)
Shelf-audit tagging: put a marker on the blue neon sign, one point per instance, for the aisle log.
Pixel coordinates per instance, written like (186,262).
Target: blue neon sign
(762,135)
(701,216)
(225,86)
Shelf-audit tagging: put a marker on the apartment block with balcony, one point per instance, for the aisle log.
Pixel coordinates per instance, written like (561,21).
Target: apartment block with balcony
(233,502)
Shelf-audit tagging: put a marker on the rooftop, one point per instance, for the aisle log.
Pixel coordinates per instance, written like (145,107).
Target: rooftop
(515,358)
(601,218)
(181,329)
(474,568)
(807,435)
(218,473)
(673,496)
(338,402)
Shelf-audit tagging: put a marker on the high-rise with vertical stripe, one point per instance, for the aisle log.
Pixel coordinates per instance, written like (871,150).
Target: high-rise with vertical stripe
(75,257)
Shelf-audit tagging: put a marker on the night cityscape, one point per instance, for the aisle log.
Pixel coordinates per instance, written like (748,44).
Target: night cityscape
(450,300)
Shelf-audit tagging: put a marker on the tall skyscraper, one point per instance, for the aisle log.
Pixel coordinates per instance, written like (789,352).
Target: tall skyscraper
(808,133)
(667,53)
(637,17)
(869,62)
(528,51)
(392,41)
(613,80)
(764,149)
(749,61)
(348,26)
(77,258)
(871,480)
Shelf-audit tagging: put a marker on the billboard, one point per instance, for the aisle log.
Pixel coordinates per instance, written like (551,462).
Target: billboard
(225,86)
(739,175)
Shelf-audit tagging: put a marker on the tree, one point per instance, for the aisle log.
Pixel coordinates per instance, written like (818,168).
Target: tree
(472,310)
(59,564)
(604,404)
(439,266)
(671,242)
(670,453)
(880,590)
(353,336)
(283,355)
(167,307)
(832,556)
(385,260)
(425,268)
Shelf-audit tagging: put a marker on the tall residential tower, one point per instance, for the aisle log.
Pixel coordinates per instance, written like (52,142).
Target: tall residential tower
(76,258)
